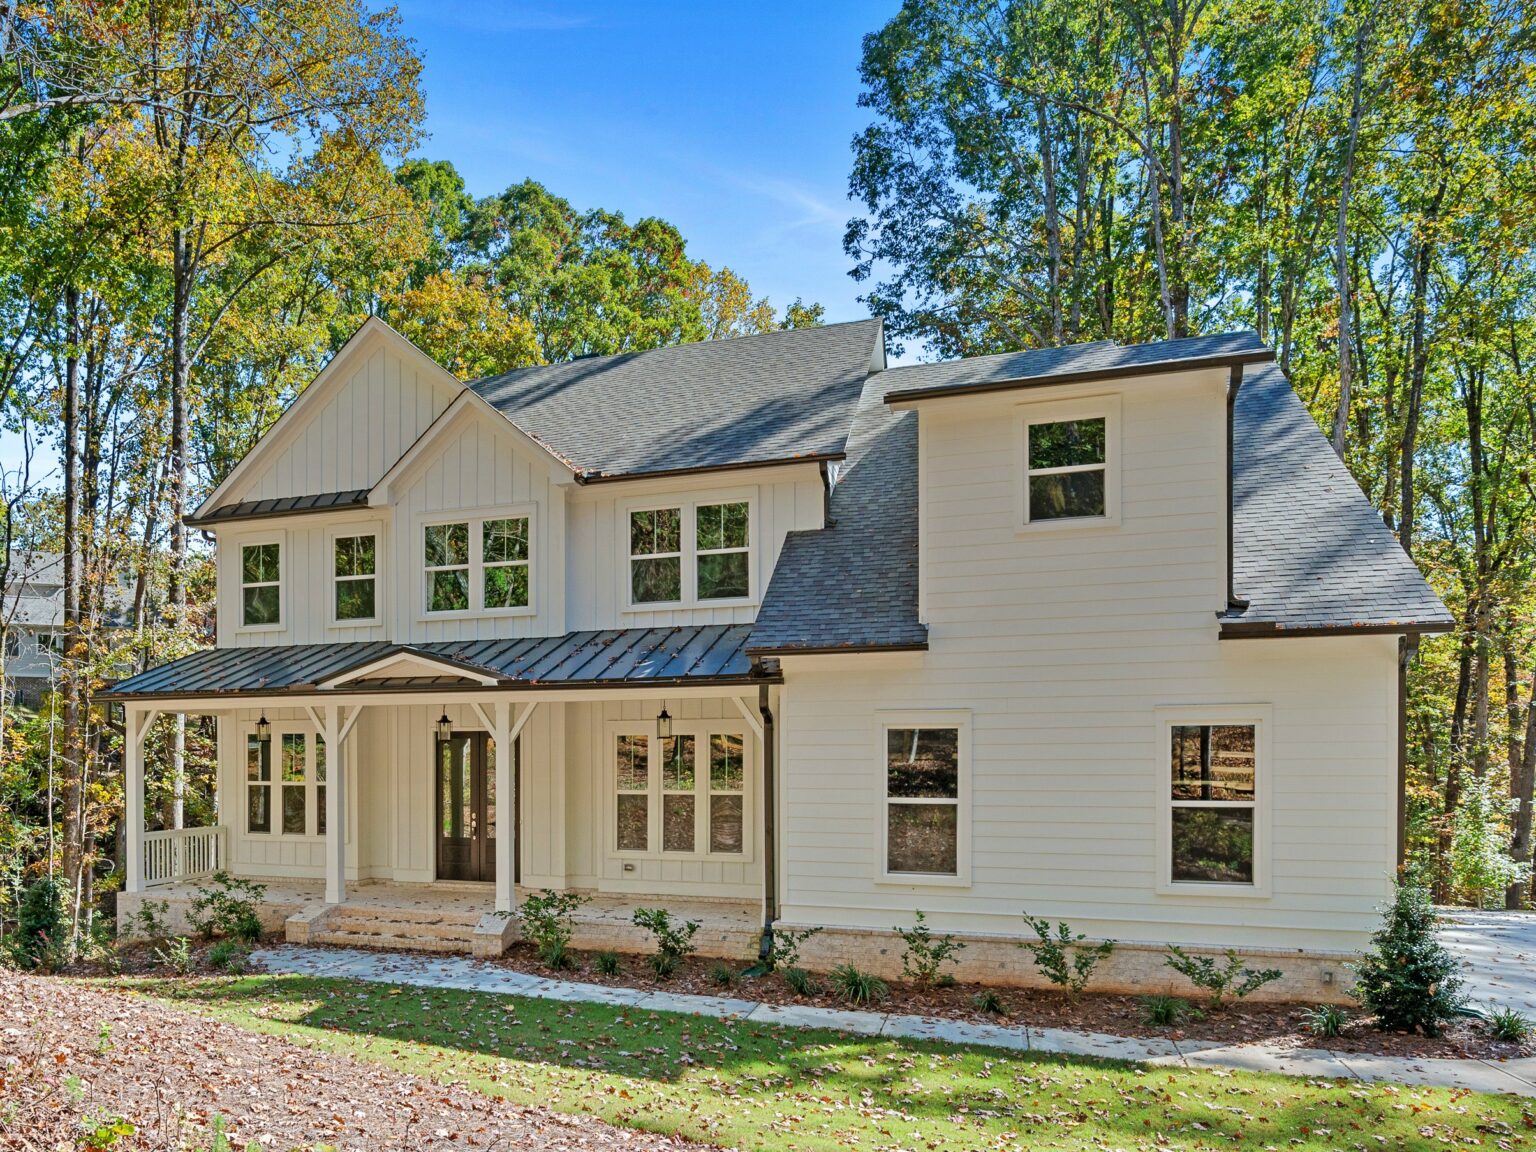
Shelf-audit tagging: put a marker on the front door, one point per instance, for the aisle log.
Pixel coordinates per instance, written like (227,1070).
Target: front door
(466,808)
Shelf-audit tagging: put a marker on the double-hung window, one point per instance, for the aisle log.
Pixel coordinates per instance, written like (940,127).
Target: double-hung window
(1069,459)
(478,565)
(355,563)
(681,795)
(1214,801)
(261,585)
(286,798)
(925,820)
(690,554)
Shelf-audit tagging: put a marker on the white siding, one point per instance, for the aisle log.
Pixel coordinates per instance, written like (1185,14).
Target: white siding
(1061,644)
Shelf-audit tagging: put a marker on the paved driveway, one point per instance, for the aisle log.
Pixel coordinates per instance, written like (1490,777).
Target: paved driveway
(1498,953)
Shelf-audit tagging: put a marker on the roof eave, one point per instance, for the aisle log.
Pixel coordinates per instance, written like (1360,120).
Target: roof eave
(817,458)
(1268,630)
(899,398)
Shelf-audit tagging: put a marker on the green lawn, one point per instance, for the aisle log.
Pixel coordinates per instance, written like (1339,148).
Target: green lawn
(770,1088)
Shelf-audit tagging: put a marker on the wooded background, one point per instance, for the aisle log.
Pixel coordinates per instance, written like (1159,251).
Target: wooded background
(200,200)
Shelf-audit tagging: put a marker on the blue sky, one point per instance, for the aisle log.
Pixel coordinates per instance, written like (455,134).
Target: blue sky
(731,121)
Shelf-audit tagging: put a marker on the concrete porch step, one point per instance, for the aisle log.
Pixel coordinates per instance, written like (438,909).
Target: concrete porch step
(405,915)
(394,941)
(388,926)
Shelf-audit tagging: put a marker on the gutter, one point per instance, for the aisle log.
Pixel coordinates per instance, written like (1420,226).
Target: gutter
(1268,630)
(822,458)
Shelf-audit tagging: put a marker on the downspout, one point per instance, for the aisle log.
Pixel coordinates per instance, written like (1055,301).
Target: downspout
(1234,385)
(770,842)
(1406,647)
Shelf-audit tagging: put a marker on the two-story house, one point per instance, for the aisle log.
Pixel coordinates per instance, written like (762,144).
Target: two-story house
(766,632)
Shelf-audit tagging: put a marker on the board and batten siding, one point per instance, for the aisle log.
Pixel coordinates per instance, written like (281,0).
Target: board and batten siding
(1062,645)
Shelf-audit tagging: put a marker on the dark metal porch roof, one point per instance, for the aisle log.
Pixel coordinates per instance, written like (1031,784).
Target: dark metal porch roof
(615,658)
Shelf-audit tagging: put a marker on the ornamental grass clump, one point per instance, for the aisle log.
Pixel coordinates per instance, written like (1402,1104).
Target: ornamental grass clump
(1408,980)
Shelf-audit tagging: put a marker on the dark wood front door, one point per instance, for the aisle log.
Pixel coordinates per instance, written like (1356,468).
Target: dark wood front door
(466,808)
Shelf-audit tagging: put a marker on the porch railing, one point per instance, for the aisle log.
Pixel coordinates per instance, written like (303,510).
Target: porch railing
(184,854)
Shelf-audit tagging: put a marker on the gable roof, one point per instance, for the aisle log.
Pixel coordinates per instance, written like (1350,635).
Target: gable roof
(1100,360)
(748,400)
(1311,554)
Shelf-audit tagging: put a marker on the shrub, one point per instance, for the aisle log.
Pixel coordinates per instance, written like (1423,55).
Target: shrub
(784,951)
(724,975)
(1162,1010)
(1063,959)
(858,987)
(229,956)
(175,954)
(801,982)
(606,963)
(228,908)
(1218,981)
(674,943)
(148,920)
(548,922)
(40,932)
(1325,1020)
(988,1001)
(925,955)
(1508,1025)
(1408,979)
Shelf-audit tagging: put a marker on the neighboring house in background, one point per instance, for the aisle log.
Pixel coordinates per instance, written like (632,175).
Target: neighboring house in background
(32,623)
(780,634)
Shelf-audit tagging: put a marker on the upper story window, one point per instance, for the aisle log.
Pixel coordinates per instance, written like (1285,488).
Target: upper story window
(690,553)
(261,588)
(478,565)
(356,567)
(1067,469)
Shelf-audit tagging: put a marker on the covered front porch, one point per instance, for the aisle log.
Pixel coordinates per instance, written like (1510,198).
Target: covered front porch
(407,793)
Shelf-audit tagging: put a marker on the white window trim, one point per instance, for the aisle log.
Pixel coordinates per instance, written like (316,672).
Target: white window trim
(924,718)
(1106,408)
(689,585)
(701,731)
(281,728)
(376,530)
(475,518)
(283,554)
(1261,716)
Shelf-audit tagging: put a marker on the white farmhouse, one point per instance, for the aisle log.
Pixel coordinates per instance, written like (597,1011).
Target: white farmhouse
(767,633)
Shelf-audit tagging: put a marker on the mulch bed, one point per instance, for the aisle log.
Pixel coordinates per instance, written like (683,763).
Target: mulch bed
(1238,1023)
(73,1059)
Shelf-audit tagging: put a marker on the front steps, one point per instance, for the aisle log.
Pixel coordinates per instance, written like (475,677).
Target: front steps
(396,929)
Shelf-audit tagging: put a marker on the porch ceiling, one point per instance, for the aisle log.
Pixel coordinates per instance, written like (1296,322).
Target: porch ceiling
(705,656)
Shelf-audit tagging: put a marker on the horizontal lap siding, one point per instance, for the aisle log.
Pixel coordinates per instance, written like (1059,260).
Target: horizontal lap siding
(1062,645)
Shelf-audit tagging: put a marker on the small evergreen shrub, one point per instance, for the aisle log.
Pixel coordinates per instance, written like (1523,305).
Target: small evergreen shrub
(925,955)
(1326,1020)
(149,921)
(606,963)
(1162,1010)
(858,987)
(229,956)
(548,923)
(723,975)
(1510,1026)
(801,982)
(228,908)
(175,954)
(1219,981)
(40,930)
(784,951)
(988,1001)
(674,942)
(1408,980)
(1063,958)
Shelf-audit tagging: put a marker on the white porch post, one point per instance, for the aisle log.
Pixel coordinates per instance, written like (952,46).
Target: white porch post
(335,807)
(506,805)
(135,724)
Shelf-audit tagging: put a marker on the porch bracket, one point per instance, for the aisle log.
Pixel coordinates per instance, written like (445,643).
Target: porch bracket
(749,716)
(136,726)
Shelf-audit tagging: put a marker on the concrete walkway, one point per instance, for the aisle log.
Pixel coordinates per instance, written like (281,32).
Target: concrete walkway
(1498,956)
(1514,1076)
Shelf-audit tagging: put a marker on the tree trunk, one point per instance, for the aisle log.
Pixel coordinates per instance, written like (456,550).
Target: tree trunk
(70,744)
(1341,246)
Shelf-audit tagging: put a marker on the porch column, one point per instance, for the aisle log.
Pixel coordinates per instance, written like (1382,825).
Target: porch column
(506,805)
(135,724)
(335,806)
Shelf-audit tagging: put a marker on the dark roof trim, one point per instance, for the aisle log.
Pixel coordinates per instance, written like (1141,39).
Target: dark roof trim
(747,680)
(835,649)
(348,501)
(817,458)
(1265,630)
(1121,372)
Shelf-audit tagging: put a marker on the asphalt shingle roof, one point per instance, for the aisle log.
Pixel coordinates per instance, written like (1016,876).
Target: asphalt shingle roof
(1102,358)
(1311,552)
(619,657)
(720,403)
